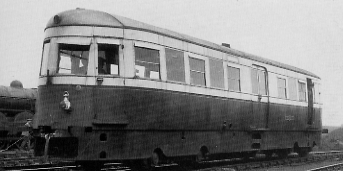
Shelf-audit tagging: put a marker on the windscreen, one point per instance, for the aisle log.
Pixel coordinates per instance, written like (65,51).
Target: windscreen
(73,59)
(44,64)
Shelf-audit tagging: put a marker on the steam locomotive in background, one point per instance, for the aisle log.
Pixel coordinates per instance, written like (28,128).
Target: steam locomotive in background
(17,104)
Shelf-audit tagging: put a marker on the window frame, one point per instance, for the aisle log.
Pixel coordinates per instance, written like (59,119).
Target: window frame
(184,65)
(227,77)
(97,58)
(206,67)
(109,41)
(59,59)
(292,90)
(45,58)
(266,79)
(223,62)
(53,57)
(304,82)
(285,88)
(161,54)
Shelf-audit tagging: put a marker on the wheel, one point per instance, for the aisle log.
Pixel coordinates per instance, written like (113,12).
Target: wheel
(158,157)
(203,154)
(155,159)
(3,144)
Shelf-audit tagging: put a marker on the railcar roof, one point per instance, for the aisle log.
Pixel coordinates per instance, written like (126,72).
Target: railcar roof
(82,17)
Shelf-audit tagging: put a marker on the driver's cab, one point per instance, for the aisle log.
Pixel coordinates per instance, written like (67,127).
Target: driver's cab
(80,57)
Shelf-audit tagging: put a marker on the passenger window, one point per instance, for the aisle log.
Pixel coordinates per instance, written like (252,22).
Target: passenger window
(175,65)
(147,63)
(197,71)
(292,88)
(108,59)
(216,73)
(73,59)
(234,78)
(258,80)
(282,89)
(302,91)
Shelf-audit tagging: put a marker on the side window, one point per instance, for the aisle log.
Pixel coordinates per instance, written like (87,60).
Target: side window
(258,80)
(175,65)
(234,78)
(45,57)
(108,59)
(216,73)
(292,88)
(147,63)
(302,91)
(73,59)
(282,89)
(197,71)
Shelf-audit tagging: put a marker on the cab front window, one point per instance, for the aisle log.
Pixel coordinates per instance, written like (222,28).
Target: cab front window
(73,59)
(45,57)
(108,59)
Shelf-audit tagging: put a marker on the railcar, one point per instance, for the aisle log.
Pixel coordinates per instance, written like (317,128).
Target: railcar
(115,89)
(17,104)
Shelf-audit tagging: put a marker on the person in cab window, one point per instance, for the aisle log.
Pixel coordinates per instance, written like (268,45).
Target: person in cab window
(102,68)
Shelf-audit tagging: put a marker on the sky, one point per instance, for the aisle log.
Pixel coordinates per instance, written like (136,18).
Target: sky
(304,34)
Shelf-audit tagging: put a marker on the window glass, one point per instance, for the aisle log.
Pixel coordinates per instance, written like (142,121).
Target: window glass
(197,71)
(45,57)
(216,73)
(262,82)
(292,88)
(282,89)
(108,59)
(198,78)
(302,91)
(73,59)
(147,63)
(197,64)
(254,81)
(258,80)
(175,65)
(233,78)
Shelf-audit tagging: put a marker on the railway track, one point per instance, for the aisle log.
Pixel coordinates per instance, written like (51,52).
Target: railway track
(292,160)
(338,166)
(25,160)
(30,163)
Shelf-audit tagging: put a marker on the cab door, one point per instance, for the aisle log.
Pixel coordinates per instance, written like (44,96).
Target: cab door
(260,102)
(310,112)
(108,90)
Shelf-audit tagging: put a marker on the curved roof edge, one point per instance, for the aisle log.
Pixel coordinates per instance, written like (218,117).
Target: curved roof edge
(82,17)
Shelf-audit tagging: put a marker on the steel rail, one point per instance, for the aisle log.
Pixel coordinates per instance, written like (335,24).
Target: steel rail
(329,167)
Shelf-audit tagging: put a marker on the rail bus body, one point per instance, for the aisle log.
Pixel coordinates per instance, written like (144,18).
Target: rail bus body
(112,88)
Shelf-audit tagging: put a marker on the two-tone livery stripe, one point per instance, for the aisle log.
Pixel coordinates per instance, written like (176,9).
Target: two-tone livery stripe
(175,87)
